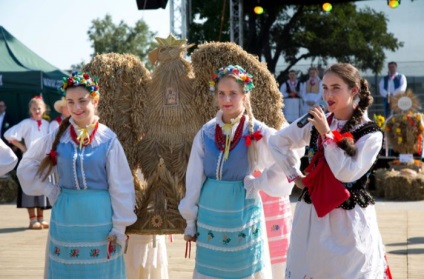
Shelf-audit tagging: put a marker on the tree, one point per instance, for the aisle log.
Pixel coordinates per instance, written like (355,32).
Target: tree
(301,32)
(106,37)
(78,67)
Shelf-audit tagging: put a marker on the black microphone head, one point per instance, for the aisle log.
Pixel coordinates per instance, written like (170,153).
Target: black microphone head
(324,105)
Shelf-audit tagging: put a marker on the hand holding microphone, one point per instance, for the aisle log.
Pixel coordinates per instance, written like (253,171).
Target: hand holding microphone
(304,119)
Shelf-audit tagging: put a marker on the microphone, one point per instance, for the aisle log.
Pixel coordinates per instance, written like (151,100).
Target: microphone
(304,119)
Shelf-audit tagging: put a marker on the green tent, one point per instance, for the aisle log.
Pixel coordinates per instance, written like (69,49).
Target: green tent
(23,75)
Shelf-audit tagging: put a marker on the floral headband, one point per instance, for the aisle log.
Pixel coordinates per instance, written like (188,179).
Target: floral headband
(78,78)
(236,71)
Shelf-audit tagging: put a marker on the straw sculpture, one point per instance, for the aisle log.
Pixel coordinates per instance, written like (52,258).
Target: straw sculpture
(156,117)
(171,121)
(266,98)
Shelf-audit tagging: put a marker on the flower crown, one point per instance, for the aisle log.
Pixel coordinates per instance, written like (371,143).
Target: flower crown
(236,71)
(78,78)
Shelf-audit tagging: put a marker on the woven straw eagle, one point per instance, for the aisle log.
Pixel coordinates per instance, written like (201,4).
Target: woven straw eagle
(156,116)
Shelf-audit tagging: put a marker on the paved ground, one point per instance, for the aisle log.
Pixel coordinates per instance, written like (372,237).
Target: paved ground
(401,225)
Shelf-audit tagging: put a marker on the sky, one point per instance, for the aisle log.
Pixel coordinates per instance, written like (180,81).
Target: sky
(56,30)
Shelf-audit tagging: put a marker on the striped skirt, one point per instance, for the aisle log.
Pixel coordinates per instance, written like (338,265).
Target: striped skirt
(230,240)
(278,219)
(77,248)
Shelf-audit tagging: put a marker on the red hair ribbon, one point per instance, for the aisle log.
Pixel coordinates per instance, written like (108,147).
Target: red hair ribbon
(53,157)
(38,97)
(338,137)
(255,136)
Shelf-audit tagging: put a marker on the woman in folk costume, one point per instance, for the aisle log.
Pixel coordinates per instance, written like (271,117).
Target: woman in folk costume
(8,159)
(311,90)
(30,130)
(94,200)
(61,107)
(222,206)
(335,232)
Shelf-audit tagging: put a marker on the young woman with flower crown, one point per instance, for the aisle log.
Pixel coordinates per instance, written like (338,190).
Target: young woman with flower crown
(222,205)
(335,232)
(30,130)
(94,199)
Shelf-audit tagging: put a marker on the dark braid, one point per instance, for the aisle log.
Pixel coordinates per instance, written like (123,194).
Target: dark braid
(47,162)
(351,76)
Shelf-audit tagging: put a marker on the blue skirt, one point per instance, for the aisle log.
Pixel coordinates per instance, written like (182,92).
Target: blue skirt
(230,240)
(80,223)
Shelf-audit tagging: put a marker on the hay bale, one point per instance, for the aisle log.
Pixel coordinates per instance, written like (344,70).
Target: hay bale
(405,184)
(266,98)
(123,80)
(8,189)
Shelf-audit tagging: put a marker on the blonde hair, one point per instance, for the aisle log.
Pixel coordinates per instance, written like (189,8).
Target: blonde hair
(38,101)
(252,153)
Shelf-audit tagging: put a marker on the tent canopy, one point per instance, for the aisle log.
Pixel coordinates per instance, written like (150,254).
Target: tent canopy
(23,75)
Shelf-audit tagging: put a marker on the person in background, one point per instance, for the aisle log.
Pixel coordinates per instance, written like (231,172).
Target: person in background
(311,90)
(392,84)
(61,107)
(94,199)
(292,99)
(5,121)
(229,164)
(30,130)
(8,159)
(335,232)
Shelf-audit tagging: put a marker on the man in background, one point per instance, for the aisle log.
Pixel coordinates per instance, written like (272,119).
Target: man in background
(390,85)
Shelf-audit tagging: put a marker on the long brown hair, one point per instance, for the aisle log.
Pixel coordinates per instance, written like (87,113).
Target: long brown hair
(351,76)
(48,162)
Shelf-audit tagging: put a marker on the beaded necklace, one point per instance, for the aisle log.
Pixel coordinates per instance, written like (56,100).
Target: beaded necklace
(222,142)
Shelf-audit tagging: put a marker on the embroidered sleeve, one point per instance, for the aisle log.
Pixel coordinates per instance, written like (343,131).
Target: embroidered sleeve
(346,168)
(273,179)
(287,146)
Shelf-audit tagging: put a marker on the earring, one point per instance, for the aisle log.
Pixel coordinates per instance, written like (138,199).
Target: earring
(355,101)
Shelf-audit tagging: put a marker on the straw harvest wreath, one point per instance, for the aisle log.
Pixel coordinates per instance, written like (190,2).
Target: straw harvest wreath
(156,117)
(405,128)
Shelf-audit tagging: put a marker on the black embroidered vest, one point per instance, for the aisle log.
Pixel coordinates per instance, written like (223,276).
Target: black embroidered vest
(358,194)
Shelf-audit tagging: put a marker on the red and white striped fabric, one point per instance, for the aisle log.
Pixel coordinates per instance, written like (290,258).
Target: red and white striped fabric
(278,219)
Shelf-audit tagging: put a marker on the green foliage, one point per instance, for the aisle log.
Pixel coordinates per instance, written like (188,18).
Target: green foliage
(78,67)
(107,37)
(301,32)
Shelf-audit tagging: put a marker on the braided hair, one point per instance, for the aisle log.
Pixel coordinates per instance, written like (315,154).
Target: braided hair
(252,149)
(350,75)
(48,162)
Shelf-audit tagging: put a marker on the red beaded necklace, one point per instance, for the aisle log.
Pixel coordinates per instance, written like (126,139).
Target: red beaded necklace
(86,141)
(220,137)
